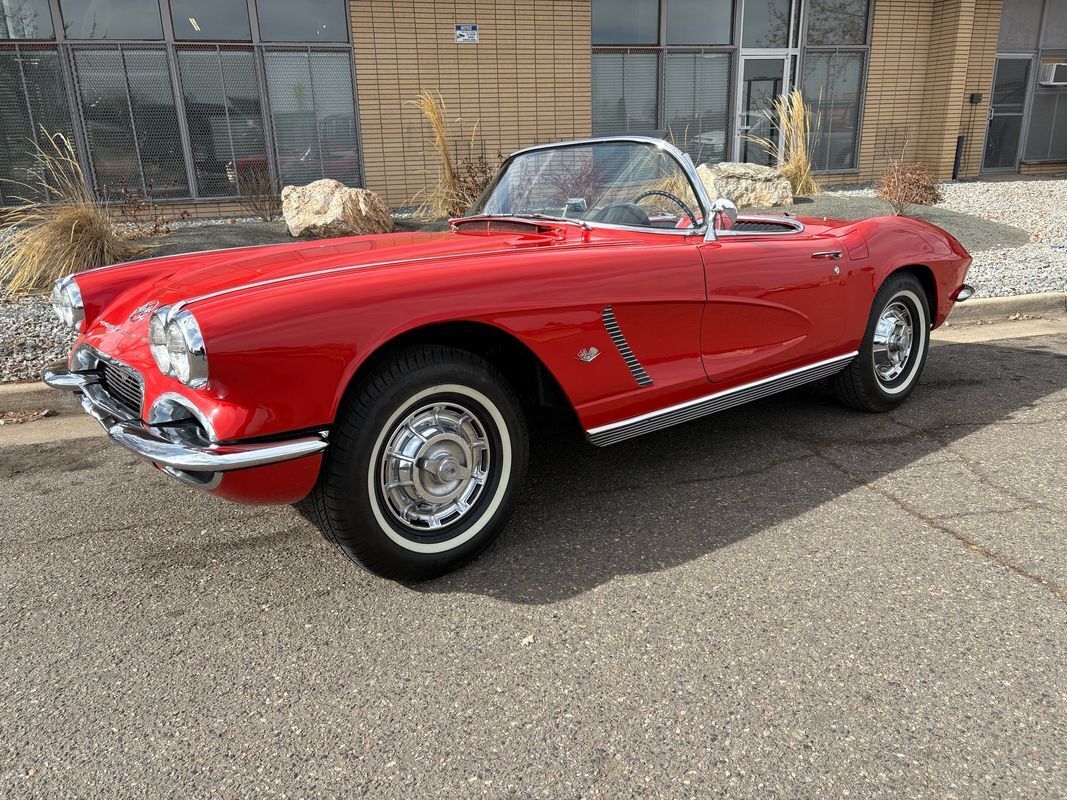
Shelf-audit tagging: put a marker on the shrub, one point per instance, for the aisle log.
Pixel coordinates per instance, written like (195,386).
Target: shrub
(906,183)
(257,196)
(58,228)
(793,119)
(137,213)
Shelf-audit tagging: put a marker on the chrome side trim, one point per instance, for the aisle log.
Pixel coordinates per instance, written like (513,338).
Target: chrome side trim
(717,401)
(612,326)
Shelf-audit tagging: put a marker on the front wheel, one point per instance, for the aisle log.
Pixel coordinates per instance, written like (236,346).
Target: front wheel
(426,458)
(894,349)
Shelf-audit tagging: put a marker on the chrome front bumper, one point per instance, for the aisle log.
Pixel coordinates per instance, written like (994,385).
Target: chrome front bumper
(152,443)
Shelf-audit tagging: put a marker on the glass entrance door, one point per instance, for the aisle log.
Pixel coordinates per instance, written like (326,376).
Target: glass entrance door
(1007,104)
(763,79)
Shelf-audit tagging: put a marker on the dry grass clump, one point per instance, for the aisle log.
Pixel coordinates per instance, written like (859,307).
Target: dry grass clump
(794,121)
(58,228)
(907,183)
(459,184)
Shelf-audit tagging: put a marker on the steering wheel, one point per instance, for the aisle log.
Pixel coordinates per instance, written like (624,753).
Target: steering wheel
(669,196)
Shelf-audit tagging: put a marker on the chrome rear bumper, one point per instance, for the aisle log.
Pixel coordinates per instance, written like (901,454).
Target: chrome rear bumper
(160,446)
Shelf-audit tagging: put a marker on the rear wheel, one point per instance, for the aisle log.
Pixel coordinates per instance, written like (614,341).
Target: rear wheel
(426,458)
(894,348)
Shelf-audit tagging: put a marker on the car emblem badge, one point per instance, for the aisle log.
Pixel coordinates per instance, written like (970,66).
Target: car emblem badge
(141,312)
(587,354)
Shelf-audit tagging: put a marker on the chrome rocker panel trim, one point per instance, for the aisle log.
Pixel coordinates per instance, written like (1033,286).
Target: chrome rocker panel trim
(148,443)
(717,401)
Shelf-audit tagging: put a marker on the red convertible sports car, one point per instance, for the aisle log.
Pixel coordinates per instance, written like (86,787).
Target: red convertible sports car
(382,383)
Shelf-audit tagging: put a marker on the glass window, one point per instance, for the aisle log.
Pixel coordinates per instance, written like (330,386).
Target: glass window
(314,119)
(140,150)
(765,23)
(1048,127)
(624,92)
(304,21)
(33,102)
(625,21)
(832,84)
(699,21)
(111,19)
(25,19)
(697,102)
(210,19)
(225,122)
(837,22)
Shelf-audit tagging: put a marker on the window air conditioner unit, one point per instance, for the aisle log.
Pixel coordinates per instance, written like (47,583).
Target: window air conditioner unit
(1053,75)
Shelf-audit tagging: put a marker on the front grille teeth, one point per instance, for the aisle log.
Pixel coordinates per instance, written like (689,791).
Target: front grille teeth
(612,326)
(123,383)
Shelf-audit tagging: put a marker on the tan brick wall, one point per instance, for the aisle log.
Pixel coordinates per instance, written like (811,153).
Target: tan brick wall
(979,79)
(525,82)
(927,57)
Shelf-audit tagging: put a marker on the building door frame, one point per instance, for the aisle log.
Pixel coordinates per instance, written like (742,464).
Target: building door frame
(1023,114)
(789,55)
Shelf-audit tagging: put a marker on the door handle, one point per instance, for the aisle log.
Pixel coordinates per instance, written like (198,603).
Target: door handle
(827,254)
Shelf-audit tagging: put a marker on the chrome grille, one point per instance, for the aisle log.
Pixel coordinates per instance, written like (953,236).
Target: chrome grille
(123,384)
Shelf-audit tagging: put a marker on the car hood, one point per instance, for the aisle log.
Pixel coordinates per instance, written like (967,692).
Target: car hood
(121,322)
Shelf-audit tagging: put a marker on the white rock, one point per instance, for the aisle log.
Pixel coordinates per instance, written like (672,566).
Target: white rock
(329,208)
(748,185)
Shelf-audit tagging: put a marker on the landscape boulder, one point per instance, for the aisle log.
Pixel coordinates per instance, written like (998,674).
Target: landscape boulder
(748,185)
(329,208)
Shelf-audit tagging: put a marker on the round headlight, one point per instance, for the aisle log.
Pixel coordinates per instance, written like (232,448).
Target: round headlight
(157,339)
(186,351)
(67,302)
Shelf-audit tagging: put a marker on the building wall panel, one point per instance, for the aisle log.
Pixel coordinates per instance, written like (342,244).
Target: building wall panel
(526,81)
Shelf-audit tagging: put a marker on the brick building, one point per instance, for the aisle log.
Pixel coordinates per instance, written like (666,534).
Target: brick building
(182,95)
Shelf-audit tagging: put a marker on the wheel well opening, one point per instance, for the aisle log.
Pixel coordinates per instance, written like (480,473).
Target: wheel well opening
(925,277)
(536,387)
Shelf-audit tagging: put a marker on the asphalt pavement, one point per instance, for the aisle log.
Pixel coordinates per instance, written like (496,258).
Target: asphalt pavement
(789,599)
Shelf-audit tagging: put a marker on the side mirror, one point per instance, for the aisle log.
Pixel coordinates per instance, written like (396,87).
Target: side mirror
(723,214)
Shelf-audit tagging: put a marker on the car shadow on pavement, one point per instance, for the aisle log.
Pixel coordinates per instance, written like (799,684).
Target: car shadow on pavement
(588,515)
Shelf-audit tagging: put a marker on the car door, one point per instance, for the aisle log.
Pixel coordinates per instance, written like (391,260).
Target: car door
(774,302)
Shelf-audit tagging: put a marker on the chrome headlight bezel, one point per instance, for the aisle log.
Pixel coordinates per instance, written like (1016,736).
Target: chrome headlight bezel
(177,346)
(67,302)
(157,339)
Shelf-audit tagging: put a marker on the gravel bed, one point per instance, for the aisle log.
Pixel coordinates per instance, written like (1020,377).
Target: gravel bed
(30,337)
(1039,207)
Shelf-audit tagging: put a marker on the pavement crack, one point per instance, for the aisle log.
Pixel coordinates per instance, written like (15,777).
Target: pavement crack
(1058,592)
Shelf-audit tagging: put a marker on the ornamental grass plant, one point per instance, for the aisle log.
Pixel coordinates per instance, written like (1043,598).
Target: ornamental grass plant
(57,227)
(795,123)
(460,181)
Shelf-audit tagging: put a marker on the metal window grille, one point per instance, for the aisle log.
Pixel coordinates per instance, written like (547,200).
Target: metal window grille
(312,115)
(224,117)
(184,120)
(131,121)
(33,101)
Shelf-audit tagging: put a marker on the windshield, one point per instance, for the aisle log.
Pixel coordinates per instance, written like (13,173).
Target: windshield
(636,184)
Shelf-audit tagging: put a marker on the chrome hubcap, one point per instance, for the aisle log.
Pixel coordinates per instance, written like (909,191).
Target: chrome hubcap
(434,466)
(892,342)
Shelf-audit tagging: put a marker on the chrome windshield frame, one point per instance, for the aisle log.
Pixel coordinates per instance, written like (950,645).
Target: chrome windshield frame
(706,230)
